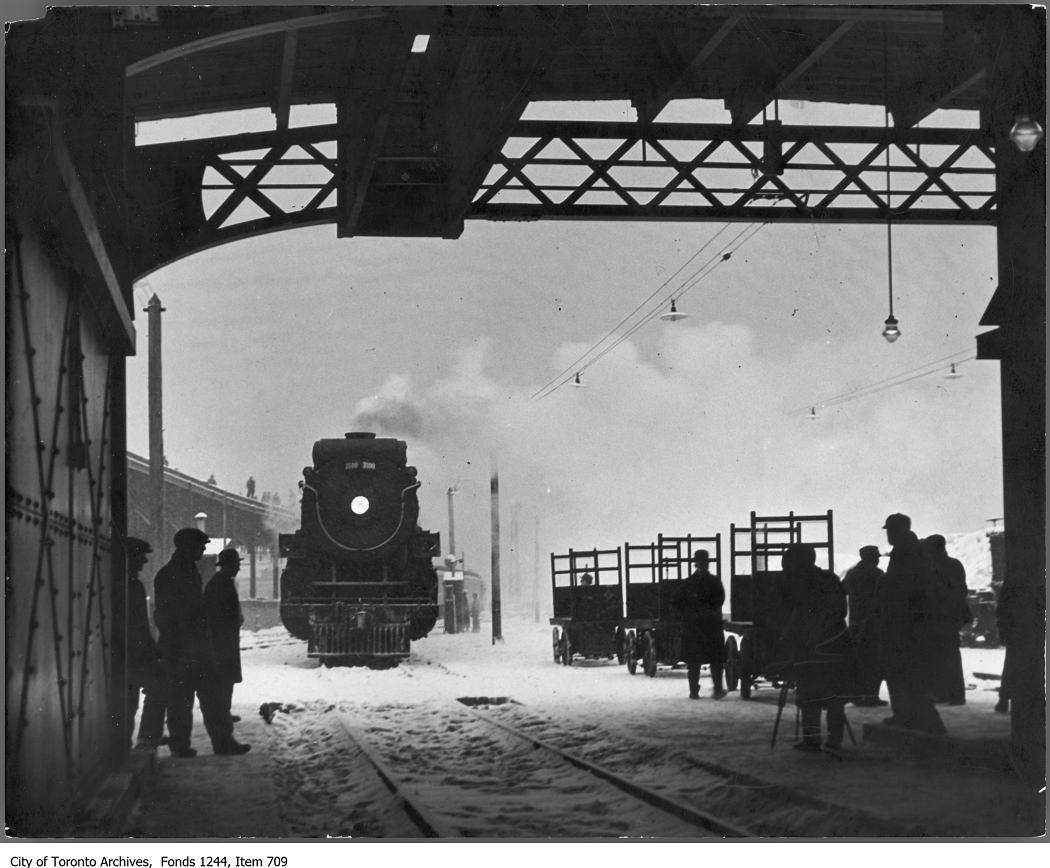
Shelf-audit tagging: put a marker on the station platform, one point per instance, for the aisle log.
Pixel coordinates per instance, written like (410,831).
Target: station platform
(893,784)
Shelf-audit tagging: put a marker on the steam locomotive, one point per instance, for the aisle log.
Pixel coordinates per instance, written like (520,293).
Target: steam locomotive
(359,584)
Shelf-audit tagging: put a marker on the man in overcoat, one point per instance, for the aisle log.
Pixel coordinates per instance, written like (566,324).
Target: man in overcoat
(184,647)
(145,674)
(860,584)
(950,613)
(699,604)
(903,620)
(222,608)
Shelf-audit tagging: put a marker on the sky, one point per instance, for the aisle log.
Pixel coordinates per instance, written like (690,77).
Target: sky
(277,341)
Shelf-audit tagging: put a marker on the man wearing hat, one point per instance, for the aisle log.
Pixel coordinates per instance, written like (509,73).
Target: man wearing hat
(142,654)
(903,621)
(184,648)
(860,585)
(222,609)
(698,603)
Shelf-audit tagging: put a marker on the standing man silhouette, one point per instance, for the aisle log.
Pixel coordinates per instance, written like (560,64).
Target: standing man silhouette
(222,608)
(903,618)
(143,656)
(699,603)
(860,585)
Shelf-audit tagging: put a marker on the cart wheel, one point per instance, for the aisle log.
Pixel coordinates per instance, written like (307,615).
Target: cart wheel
(649,655)
(621,646)
(557,645)
(744,666)
(566,648)
(731,664)
(632,653)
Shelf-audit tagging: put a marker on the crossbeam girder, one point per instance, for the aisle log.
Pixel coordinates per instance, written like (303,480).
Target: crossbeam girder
(261,182)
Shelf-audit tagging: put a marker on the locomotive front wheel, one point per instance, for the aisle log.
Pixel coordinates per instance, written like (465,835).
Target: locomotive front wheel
(649,655)
(731,664)
(557,645)
(632,654)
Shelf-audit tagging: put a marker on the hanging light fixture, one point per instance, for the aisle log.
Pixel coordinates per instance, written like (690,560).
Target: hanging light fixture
(952,374)
(891,330)
(812,414)
(576,382)
(673,315)
(1026,133)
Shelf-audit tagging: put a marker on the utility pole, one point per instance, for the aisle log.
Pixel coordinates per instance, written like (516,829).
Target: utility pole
(451,523)
(497,621)
(156,431)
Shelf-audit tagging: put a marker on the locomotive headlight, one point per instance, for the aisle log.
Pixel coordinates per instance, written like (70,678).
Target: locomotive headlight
(359,505)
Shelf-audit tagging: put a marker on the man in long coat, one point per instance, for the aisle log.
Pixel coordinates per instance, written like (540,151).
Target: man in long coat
(184,647)
(143,656)
(861,584)
(222,609)
(903,620)
(950,614)
(699,604)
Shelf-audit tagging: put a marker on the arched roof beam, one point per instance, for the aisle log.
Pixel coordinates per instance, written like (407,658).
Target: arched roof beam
(272,28)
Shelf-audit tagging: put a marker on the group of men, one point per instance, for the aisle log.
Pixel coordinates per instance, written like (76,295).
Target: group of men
(905,623)
(903,628)
(197,650)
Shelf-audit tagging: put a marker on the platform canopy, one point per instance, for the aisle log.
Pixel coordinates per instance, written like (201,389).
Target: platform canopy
(424,100)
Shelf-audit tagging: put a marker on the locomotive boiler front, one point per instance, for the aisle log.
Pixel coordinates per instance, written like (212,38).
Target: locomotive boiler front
(359,499)
(359,583)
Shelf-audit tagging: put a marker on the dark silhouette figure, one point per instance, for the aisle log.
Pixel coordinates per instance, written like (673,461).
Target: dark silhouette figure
(860,586)
(222,609)
(951,613)
(249,487)
(184,647)
(903,619)
(699,604)
(816,645)
(586,580)
(475,614)
(142,654)
(211,479)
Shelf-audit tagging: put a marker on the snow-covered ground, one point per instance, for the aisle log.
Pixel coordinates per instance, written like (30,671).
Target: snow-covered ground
(645,726)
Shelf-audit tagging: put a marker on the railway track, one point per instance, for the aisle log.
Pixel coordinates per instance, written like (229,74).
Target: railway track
(515,785)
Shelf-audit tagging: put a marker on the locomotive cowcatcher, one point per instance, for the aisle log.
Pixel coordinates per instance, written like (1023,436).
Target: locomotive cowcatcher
(359,584)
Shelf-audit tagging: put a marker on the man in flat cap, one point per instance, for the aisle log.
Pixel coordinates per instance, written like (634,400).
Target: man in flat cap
(142,654)
(183,641)
(903,620)
(860,585)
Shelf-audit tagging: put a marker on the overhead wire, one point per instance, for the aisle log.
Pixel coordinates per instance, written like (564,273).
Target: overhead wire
(898,379)
(572,368)
(693,282)
(571,371)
